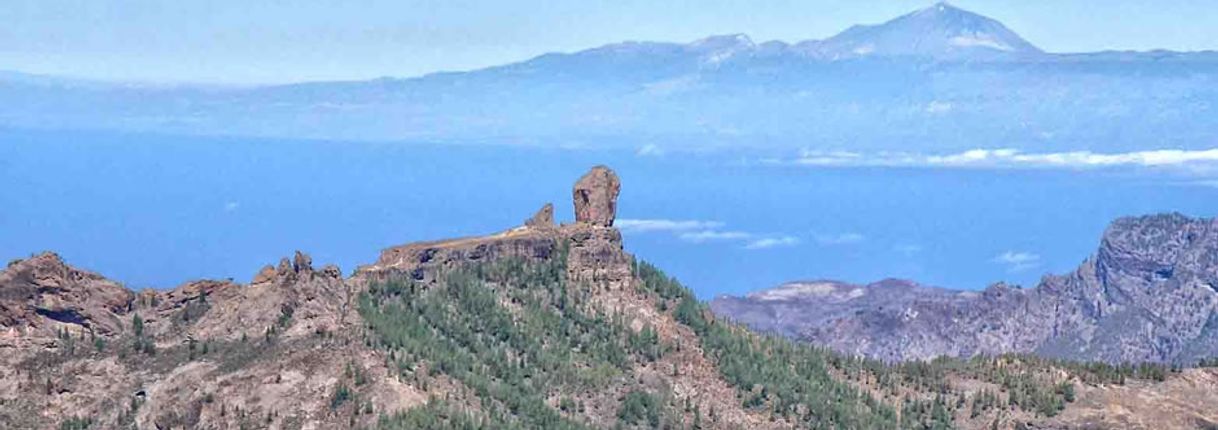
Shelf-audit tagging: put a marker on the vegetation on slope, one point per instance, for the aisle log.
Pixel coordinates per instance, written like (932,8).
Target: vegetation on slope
(511,333)
(530,352)
(793,381)
(798,382)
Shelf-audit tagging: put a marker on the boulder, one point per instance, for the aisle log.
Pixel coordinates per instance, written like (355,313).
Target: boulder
(595,197)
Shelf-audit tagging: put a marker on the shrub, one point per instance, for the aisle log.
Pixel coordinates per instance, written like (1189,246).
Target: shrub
(640,408)
(341,395)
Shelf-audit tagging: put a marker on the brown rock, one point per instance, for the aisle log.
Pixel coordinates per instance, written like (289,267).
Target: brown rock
(43,289)
(595,197)
(267,274)
(544,218)
(332,271)
(302,262)
(596,258)
(285,268)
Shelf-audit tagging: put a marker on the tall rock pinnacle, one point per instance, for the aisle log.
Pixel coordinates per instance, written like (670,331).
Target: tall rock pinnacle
(595,197)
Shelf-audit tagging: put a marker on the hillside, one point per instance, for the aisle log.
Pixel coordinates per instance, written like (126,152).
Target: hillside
(539,326)
(1146,295)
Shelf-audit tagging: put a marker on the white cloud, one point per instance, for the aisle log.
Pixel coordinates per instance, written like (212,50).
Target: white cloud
(982,41)
(231,206)
(649,150)
(1017,261)
(1207,184)
(1013,158)
(713,235)
(938,107)
(840,239)
(653,225)
(772,242)
(907,249)
(695,231)
(829,158)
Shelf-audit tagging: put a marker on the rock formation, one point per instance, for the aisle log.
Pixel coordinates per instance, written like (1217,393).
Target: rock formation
(305,348)
(1150,293)
(595,254)
(543,219)
(595,197)
(42,294)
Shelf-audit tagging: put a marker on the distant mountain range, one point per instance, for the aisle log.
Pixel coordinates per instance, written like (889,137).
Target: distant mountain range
(938,79)
(1150,293)
(941,31)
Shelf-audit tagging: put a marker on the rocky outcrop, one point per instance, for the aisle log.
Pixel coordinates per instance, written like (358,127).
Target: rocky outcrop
(543,219)
(595,197)
(300,267)
(596,259)
(41,294)
(1150,293)
(595,255)
(292,298)
(426,261)
(189,357)
(41,297)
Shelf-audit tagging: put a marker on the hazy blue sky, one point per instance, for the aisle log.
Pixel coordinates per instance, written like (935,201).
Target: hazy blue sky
(283,40)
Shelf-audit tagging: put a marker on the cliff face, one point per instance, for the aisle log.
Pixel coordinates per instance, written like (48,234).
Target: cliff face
(595,256)
(1148,294)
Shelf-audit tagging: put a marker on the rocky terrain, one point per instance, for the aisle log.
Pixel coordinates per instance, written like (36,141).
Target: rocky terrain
(1148,294)
(539,326)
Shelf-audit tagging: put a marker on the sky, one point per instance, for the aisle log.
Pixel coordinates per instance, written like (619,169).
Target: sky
(244,41)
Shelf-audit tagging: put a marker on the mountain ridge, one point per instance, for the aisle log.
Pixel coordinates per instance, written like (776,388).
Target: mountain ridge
(542,325)
(720,93)
(1153,271)
(17,74)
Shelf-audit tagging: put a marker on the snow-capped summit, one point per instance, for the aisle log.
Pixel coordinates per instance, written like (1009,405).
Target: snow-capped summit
(714,50)
(940,31)
(723,42)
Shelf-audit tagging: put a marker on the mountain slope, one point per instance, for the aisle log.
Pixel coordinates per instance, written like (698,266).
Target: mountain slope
(938,80)
(940,31)
(1146,295)
(539,326)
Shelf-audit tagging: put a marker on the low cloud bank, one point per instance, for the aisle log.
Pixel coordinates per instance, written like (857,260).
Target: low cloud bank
(1011,158)
(651,225)
(1017,261)
(700,231)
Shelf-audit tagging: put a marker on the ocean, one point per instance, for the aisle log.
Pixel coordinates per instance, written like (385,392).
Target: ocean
(154,211)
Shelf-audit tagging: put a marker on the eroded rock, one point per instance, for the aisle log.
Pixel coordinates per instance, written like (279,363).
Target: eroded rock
(41,292)
(595,197)
(544,218)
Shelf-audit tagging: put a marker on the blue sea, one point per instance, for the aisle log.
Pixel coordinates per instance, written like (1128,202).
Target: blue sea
(156,211)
